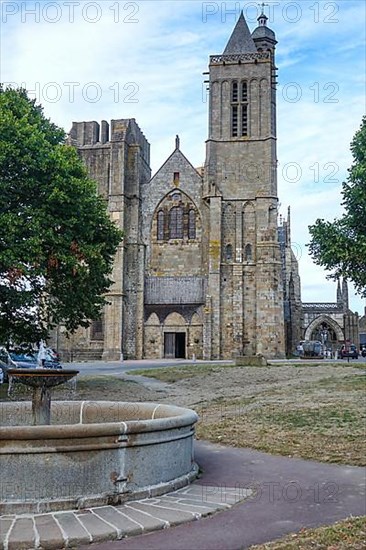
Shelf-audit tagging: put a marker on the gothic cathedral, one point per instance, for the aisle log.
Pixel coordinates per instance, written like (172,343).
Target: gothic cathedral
(199,271)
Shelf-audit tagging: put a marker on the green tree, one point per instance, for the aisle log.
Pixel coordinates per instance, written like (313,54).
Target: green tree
(340,246)
(57,242)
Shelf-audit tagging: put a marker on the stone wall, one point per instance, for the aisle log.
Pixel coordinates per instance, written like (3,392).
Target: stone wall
(117,157)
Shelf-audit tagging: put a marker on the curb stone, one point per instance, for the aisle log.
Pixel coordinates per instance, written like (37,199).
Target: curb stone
(69,529)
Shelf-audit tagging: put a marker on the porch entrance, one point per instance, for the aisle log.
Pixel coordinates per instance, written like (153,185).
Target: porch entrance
(175,345)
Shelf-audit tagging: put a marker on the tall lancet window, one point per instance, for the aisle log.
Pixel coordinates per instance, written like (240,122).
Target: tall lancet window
(160,227)
(191,224)
(234,92)
(244,109)
(234,108)
(239,109)
(176,222)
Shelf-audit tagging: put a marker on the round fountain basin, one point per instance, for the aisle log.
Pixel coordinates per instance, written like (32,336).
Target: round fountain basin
(94,453)
(41,377)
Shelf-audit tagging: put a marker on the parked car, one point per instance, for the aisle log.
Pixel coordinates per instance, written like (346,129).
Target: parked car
(348,351)
(312,349)
(24,360)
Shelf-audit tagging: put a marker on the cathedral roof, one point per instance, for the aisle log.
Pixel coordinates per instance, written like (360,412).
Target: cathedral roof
(241,40)
(177,161)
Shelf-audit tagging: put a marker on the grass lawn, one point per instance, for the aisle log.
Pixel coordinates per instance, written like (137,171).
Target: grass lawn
(349,534)
(323,420)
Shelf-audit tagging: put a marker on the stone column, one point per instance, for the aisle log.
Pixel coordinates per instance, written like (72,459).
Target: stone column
(238,309)
(214,274)
(207,329)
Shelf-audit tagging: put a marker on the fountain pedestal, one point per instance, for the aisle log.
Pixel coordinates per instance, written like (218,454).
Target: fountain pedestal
(42,380)
(41,406)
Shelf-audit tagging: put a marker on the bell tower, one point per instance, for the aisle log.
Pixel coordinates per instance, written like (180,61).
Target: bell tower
(245,281)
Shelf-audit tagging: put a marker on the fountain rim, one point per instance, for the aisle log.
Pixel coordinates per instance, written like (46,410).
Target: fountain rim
(177,417)
(135,448)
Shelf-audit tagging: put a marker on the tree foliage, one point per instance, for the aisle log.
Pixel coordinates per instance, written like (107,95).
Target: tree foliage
(340,246)
(57,242)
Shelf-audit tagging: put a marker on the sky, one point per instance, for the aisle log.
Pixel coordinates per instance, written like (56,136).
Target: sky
(103,60)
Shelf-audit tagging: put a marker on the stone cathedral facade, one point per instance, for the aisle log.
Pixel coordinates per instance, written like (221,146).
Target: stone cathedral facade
(201,272)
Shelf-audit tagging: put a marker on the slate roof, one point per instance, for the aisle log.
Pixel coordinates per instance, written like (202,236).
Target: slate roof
(241,40)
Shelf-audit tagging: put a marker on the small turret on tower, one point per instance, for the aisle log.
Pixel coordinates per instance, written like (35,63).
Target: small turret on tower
(263,37)
(262,19)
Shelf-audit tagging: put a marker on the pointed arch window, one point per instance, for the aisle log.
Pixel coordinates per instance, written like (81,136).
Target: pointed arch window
(160,226)
(176,222)
(191,224)
(248,253)
(229,252)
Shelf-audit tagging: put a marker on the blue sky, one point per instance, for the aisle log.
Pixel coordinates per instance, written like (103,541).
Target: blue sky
(145,59)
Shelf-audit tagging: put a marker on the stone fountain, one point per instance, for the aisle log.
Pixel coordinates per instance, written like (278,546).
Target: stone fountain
(65,455)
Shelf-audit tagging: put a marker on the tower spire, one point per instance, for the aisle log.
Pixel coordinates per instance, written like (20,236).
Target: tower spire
(339,293)
(241,40)
(345,295)
(289,225)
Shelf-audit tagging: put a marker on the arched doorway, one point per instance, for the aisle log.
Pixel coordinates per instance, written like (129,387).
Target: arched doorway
(325,330)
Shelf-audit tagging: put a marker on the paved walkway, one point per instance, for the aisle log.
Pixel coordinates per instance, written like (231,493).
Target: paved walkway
(290,494)
(259,497)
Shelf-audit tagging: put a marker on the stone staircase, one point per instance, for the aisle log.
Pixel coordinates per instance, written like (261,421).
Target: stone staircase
(81,355)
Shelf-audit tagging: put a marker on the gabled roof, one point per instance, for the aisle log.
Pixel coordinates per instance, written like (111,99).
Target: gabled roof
(181,160)
(241,40)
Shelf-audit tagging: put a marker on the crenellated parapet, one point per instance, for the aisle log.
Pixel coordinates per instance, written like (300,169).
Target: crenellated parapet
(92,134)
(88,133)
